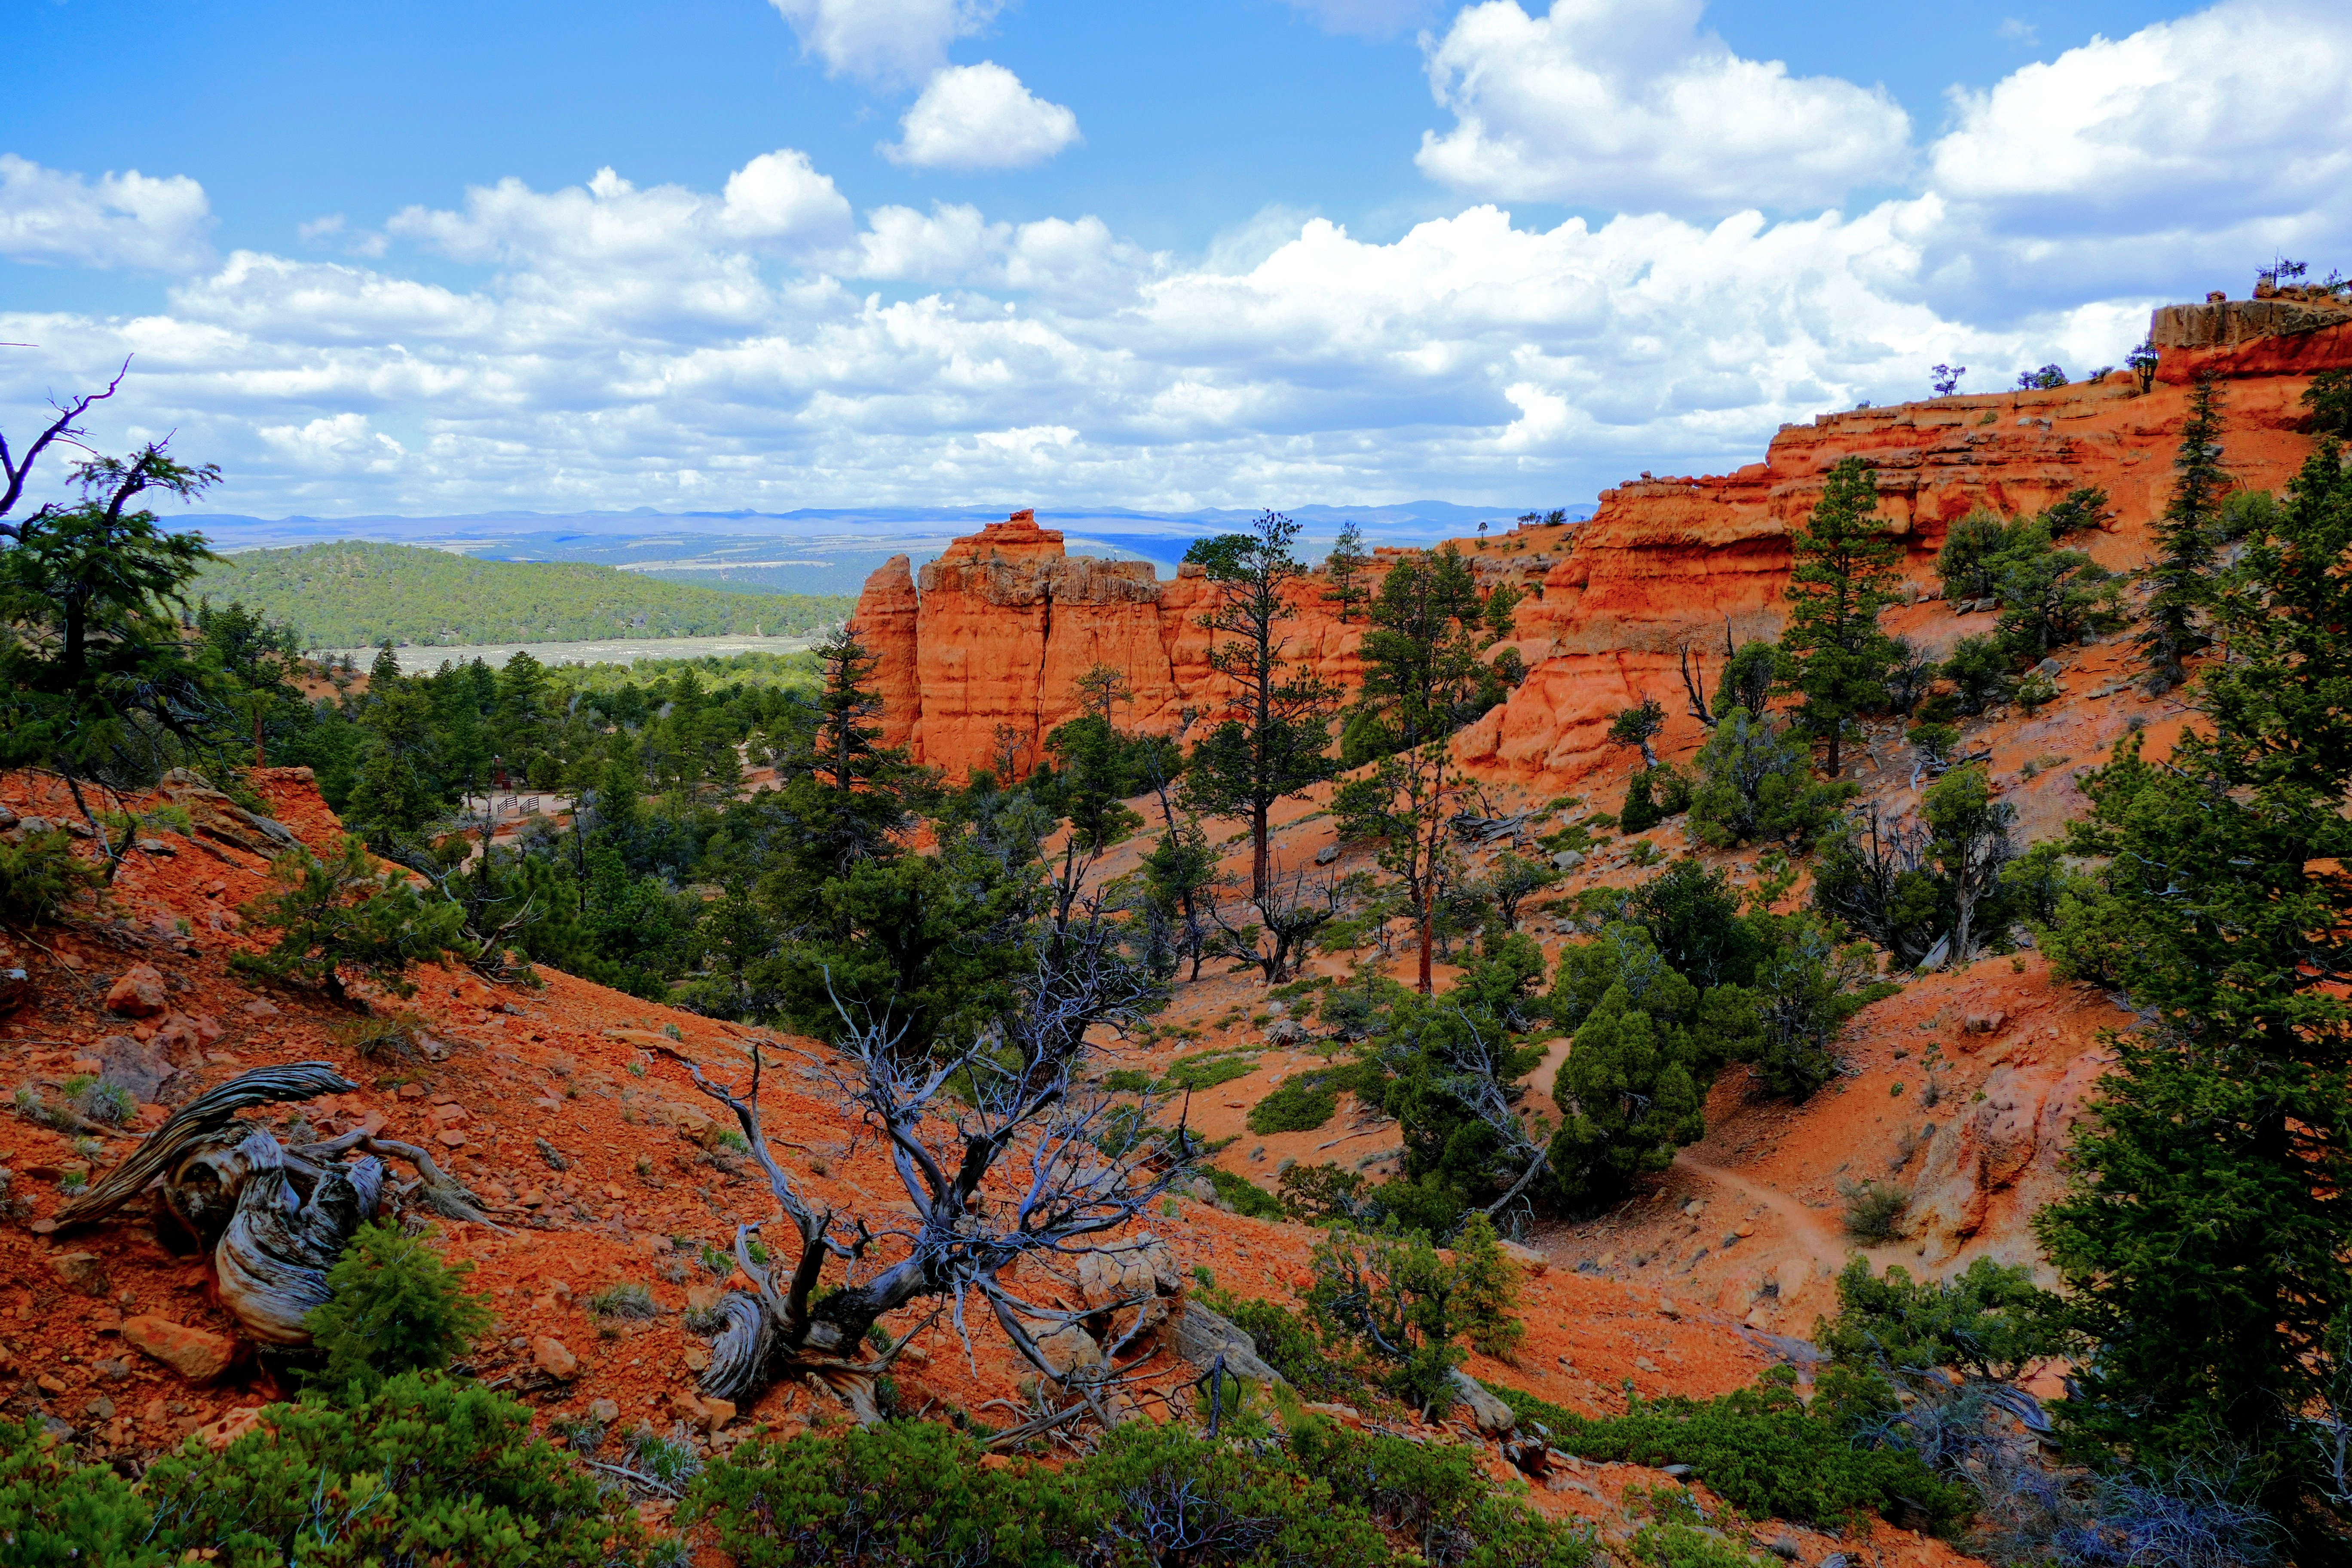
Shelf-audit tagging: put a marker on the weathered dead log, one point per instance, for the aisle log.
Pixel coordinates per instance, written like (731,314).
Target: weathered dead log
(197,1126)
(273,1258)
(275,1218)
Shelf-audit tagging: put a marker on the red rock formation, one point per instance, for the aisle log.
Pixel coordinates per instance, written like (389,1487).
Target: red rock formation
(1007,620)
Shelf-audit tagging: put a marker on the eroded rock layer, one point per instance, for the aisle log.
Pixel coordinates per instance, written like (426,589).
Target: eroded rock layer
(983,660)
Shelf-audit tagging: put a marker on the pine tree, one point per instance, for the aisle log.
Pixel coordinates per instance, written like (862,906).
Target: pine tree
(1843,575)
(1270,744)
(2182,573)
(1345,567)
(2203,1239)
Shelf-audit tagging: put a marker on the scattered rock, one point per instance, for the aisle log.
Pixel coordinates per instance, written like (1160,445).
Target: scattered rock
(138,993)
(718,1412)
(261,1007)
(1287,1032)
(603,1411)
(80,1271)
(552,1358)
(1201,1336)
(140,1068)
(16,988)
(232,1426)
(197,1354)
(1494,1417)
(1068,1348)
(1325,856)
(1985,1023)
(1567,860)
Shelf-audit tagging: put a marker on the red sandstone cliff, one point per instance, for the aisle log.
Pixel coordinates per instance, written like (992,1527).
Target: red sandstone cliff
(1005,620)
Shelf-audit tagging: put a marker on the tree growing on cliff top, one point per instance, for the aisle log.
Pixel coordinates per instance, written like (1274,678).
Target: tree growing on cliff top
(1270,743)
(1844,576)
(1345,569)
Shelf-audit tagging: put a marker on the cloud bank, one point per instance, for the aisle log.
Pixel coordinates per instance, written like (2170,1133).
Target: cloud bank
(765,345)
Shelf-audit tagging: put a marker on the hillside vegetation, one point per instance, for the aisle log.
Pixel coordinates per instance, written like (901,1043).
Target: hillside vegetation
(351,593)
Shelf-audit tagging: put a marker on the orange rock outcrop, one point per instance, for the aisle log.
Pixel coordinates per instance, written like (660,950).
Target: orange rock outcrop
(986,656)
(1005,620)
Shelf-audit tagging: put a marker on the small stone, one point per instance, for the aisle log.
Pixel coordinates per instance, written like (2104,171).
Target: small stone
(15,985)
(1567,860)
(1325,856)
(698,1358)
(155,846)
(197,1354)
(703,1297)
(49,1382)
(1645,1363)
(603,1411)
(80,1271)
(553,1359)
(138,993)
(261,1007)
(718,1412)
(450,1138)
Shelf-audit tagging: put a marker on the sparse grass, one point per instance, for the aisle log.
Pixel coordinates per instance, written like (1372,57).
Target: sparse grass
(669,1460)
(632,1301)
(1874,1210)
(381,1036)
(107,1103)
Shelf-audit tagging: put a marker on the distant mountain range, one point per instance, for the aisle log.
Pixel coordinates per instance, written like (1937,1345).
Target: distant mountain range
(822,550)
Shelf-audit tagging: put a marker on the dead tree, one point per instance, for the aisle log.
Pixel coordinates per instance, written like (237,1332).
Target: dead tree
(1010,1169)
(1290,910)
(1694,670)
(275,1219)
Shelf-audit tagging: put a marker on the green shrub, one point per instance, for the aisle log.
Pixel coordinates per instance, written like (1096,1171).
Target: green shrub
(1874,1210)
(1301,1105)
(1755,785)
(1435,1497)
(1207,1069)
(425,1470)
(345,914)
(1320,1366)
(1318,1193)
(1246,1196)
(901,1493)
(1389,1293)
(1127,1080)
(1486,1303)
(55,1511)
(1988,1321)
(41,874)
(1674,1544)
(1760,1449)
(394,1308)
(100,1101)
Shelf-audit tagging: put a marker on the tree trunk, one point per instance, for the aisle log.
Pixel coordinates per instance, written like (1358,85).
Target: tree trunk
(1258,855)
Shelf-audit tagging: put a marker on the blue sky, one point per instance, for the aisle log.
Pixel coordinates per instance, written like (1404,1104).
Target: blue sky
(1258,252)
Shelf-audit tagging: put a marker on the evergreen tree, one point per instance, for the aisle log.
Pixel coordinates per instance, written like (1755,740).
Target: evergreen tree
(2182,572)
(1843,575)
(1345,567)
(2203,1241)
(1270,744)
(104,687)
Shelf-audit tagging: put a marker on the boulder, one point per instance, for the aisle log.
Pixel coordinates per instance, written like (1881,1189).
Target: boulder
(1201,1336)
(16,988)
(1327,855)
(1567,860)
(198,1356)
(80,1271)
(552,1357)
(1287,1032)
(139,1068)
(1068,1348)
(138,993)
(1494,1417)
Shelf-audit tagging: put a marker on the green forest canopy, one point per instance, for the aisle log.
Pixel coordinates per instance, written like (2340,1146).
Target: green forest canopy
(353,593)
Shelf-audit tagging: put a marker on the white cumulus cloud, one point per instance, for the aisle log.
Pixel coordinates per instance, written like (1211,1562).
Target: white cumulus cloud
(115,220)
(890,42)
(1626,105)
(981,117)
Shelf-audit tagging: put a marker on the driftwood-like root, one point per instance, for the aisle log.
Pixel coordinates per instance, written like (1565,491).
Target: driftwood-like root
(739,1354)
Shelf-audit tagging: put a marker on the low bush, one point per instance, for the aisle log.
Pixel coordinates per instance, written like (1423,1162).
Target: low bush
(1246,1196)
(425,1469)
(53,1509)
(1325,1192)
(1760,1449)
(1301,1105)
(395,1307)
(1874,1210)
(345,914)
(40,875)
(1207,1069)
